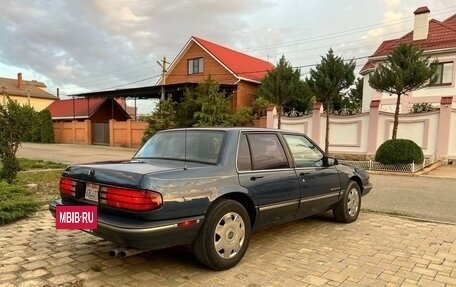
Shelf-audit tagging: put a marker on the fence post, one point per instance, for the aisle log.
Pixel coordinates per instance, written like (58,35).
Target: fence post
(370,164)
(413,166)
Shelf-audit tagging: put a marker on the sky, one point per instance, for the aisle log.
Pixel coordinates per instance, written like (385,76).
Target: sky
(92,45)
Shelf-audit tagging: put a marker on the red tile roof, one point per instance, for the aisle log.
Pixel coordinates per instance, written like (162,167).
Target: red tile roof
(83,108)
(241,65)
(441,35)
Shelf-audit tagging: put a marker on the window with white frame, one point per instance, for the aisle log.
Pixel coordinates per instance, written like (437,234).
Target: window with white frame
(444,74)
(195,66)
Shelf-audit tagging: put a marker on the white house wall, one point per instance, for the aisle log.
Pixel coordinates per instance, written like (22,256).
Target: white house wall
(426,95)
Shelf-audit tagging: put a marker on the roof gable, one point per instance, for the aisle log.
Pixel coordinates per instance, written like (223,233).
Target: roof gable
(75,108)
(240,65)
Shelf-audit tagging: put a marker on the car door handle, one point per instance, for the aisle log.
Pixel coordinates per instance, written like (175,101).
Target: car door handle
(253,178)
(304,173)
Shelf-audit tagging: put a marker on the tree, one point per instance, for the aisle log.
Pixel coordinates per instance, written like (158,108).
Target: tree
(282,85)
(164,117)
(15,123)
(211,107)
(352,100)
(405,70)
(329,80)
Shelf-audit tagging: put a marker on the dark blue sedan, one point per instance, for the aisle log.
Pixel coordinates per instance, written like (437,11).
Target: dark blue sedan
(209,188)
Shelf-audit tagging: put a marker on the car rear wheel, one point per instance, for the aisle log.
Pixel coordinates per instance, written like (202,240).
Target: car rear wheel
(348,208)
(224,236)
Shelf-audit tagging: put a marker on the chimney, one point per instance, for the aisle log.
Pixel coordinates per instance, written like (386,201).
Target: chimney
(421,27)
(19,80)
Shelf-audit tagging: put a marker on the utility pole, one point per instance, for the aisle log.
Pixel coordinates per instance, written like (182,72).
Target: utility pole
(28,94)
(162,64)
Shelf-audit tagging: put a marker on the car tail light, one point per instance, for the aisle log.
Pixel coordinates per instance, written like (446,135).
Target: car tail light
(67,186)
(130,199)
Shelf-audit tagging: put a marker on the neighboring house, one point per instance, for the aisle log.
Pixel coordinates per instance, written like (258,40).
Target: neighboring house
(26,92)
(200,59)
(438,40)
(97,110)
(66,114)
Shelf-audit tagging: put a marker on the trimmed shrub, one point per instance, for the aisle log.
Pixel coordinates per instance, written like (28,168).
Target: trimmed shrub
(15,203)
(399,151)
(46,127)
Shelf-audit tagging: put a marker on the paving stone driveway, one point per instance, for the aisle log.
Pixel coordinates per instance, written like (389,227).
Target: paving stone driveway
(376,250)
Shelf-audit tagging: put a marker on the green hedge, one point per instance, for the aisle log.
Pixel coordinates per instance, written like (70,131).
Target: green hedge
(15,203)
(399,151)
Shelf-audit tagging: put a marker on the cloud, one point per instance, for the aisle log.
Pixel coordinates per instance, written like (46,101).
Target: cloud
(392,3)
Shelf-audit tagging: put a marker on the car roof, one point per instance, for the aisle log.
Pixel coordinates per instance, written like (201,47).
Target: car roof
(224,129)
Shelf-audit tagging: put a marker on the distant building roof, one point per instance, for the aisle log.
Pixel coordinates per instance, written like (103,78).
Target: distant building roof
(78,108)
(242,66)
(22,88)
(441,35)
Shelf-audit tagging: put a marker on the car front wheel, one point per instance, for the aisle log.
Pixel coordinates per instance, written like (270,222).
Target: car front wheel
(224,236)
(348,208)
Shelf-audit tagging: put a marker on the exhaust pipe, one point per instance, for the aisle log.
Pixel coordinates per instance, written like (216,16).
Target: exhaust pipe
(115,252)
(127,252)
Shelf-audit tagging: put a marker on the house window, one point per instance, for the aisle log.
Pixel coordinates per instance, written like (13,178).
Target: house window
(444,74)
(195,66)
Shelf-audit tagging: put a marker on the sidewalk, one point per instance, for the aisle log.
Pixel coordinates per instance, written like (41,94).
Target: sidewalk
(72,153)
(444,171)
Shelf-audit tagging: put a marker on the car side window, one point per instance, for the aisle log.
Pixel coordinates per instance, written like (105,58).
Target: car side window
(244,161)
(267,152)
(304,152)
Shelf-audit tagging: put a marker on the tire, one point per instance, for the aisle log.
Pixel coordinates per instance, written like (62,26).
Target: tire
(348,208)
(224,235)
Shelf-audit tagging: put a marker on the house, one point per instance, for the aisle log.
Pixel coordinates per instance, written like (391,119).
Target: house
(99,111)
(26,92)
(199,59)
(438,40)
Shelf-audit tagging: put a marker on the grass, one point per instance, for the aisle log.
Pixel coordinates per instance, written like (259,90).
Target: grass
(47,183)
(35,185)
(15,203)
(28,164)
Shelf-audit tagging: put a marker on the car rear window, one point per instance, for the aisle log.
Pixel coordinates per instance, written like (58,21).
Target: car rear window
(201,146)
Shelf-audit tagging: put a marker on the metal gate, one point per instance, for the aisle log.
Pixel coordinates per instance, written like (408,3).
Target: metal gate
(100,133)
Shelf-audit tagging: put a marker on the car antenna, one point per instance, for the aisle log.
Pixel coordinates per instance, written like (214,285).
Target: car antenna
(185,141)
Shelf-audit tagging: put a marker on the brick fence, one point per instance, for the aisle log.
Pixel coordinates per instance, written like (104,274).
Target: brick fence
(121,134)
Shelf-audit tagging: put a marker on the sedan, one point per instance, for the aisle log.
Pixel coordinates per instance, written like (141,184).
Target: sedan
(209,188)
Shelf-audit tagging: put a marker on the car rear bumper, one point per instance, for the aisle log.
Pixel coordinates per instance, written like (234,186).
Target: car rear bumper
(143,234)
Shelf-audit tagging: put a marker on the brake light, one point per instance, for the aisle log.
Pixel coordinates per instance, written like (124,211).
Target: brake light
(67,186)
(130,199)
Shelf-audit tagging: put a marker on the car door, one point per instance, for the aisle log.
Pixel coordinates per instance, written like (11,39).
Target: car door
(264,169)
(319,181)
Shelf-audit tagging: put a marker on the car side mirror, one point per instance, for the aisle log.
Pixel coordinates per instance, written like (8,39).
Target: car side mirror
(330,161)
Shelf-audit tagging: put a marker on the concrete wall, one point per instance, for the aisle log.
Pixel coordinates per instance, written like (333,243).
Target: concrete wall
(121,134)
(361,135)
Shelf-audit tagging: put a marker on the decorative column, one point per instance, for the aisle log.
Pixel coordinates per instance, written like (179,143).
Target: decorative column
(271,112)
(444,128)
(372,135)
(317,110)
